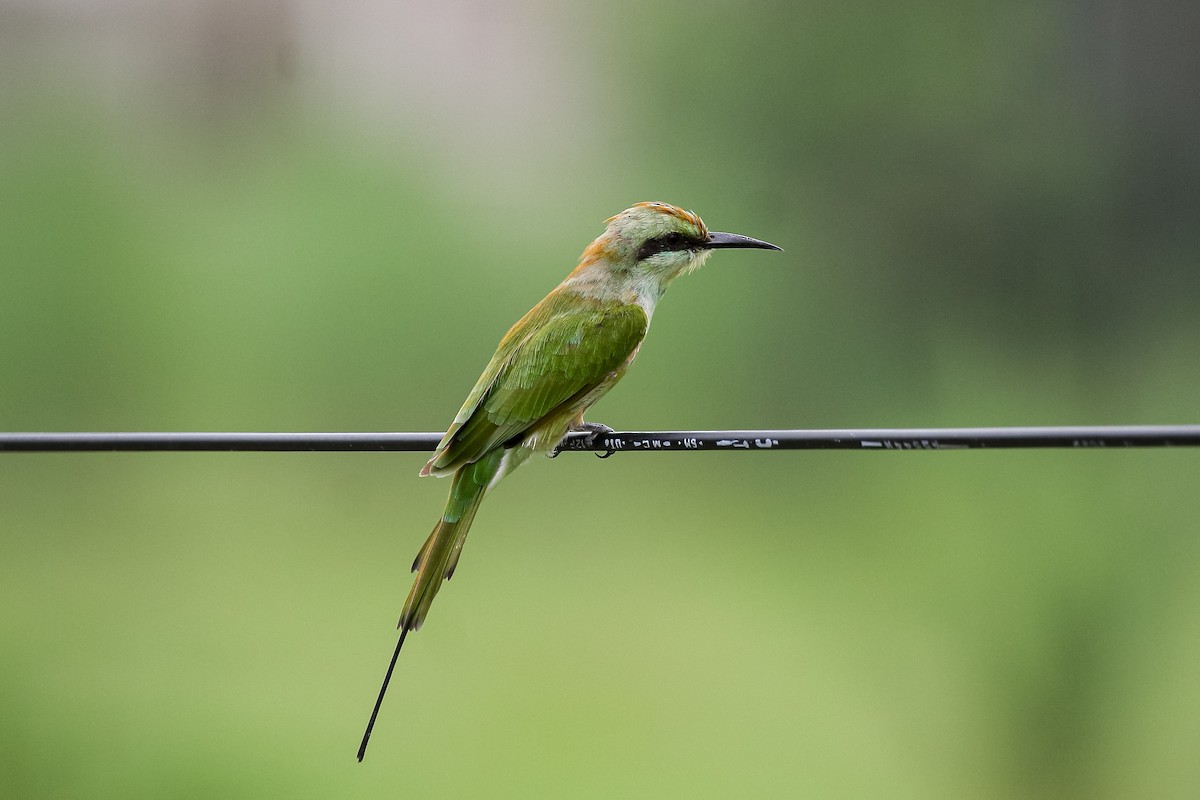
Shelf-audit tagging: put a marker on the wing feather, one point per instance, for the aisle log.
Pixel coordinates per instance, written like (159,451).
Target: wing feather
(553,356)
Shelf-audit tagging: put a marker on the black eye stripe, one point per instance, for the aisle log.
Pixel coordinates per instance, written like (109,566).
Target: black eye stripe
(665,243)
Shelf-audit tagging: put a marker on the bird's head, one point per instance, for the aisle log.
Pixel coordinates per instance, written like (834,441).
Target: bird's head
(659,241)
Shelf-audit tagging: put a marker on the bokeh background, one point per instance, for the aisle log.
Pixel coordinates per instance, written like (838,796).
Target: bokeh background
(303,215)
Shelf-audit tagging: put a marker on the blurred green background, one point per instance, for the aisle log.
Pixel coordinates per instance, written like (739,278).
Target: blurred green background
(275,215)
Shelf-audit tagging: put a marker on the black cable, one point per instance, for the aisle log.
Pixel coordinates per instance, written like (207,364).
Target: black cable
(633,441)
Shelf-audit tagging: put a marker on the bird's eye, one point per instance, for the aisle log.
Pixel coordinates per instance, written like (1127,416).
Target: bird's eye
(663,244)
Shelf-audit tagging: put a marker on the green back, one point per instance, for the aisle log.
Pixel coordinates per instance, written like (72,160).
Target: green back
(562,350)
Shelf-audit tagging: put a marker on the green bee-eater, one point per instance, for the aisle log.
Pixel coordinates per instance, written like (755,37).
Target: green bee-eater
(550,367)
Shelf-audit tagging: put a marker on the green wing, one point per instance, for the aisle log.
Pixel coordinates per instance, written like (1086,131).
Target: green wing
(550,359)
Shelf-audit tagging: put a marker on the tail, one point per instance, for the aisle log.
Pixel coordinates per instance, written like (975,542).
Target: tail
(439,555)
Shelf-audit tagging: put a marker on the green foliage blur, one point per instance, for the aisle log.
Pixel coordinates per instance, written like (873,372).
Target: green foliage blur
(302,216)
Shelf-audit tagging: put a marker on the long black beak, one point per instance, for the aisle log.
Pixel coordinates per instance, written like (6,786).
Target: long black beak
(719,240)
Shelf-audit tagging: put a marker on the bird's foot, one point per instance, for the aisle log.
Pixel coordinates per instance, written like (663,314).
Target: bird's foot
(594,431)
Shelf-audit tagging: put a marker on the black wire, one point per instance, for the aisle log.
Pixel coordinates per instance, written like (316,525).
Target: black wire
(632,441)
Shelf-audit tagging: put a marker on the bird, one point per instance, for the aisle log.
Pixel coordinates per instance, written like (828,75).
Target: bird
(566,353)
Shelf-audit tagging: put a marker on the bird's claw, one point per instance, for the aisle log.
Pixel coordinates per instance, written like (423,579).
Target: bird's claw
(594,430)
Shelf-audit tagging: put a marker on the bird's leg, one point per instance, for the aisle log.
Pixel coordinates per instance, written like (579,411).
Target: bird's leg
(593,429)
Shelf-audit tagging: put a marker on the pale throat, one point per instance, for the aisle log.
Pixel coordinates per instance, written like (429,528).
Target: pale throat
(643,287)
